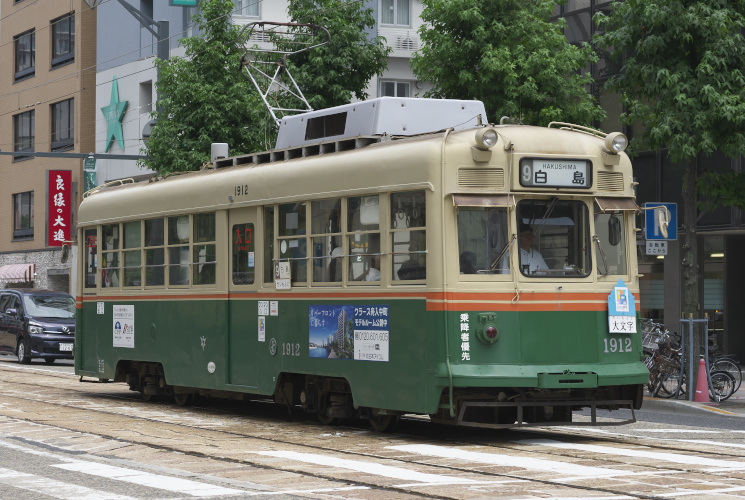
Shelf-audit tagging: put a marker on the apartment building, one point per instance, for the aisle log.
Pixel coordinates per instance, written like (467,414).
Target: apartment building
(127,51)
(47,105)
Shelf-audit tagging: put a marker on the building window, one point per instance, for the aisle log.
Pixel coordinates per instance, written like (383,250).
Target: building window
(395,12)
(392,88)
(247,8)
(23,216)
(63,40)
(23,133)
(25,48)
(63,122)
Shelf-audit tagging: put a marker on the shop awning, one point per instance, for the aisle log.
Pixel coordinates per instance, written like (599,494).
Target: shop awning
(15,273)
(484,200)
(611,204)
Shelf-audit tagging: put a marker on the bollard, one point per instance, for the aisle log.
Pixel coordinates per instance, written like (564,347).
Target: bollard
(702,385)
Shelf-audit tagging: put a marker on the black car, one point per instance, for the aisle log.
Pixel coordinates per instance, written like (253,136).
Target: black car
(37,324)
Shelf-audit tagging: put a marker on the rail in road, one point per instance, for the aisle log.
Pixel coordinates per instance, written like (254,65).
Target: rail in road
(97,440)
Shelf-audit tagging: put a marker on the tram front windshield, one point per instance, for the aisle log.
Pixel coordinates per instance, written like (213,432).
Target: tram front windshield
(553,238)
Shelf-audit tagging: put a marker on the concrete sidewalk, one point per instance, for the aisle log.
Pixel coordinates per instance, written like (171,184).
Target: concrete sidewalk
(734,406)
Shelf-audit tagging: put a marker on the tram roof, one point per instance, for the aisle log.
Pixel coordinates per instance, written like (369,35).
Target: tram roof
(352,166)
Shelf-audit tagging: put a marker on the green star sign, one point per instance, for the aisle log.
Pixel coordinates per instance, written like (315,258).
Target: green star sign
(114,114)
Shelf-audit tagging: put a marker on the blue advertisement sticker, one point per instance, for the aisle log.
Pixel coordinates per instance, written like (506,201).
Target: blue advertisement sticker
(349,332)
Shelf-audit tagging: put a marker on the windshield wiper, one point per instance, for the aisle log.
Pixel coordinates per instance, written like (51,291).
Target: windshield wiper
(506,247)
(596,239)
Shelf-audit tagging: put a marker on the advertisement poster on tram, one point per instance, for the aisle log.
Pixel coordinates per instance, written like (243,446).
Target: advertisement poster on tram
(349,332)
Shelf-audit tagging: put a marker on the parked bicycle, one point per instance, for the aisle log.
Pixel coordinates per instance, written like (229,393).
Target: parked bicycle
(667,375)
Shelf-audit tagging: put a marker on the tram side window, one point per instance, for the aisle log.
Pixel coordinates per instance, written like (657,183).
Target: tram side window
(91,258)
(243,254)
(327,240)
(554,238)
(110,268)
(178,251)
(408,236)
(611,246)
(132,254)
(269,245)
(204,250)
(482,237)
(293,245)
(155,253)
(363,224)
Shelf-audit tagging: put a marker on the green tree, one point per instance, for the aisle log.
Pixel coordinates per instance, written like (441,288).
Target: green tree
(682,77)
(203,98)
(341,70)
(508,54)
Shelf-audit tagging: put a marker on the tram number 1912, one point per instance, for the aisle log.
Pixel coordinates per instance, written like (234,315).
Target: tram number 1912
(618,345)
(289,349)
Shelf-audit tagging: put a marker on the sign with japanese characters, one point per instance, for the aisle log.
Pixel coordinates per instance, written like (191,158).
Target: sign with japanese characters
(656,247)
(349,332)
(60,207)
(550,172)
(124,326)
(621,309)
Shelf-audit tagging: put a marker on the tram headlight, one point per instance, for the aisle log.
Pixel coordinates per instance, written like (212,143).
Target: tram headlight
(486,138)
(616,142)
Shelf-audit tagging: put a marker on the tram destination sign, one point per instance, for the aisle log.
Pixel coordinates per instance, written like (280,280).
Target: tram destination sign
(555,173)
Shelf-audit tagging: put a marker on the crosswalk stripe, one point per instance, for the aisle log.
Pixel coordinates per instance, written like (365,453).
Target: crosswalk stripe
(508,460)
(366,467)
(174,484)
(627,452)
(53,488)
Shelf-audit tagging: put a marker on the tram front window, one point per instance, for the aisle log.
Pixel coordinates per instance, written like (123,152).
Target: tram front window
(482,237)
(553,238)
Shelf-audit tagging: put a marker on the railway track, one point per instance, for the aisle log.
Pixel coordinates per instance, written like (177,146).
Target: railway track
(451,463)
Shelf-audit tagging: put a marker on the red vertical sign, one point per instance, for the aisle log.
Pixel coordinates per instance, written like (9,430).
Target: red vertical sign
(60,207)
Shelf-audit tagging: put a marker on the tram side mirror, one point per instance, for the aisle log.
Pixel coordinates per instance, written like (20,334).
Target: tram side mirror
(65,253)
(663,219)
(614,230)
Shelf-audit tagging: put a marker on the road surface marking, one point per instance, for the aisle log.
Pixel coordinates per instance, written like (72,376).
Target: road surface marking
(54,488)
(366,467)
(627,452)
(174,484)
(509,460)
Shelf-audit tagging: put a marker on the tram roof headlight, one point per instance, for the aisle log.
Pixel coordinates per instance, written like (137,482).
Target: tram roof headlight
(486,138)
(616,142)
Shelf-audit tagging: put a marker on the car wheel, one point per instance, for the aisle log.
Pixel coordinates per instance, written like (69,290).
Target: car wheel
(49,361)
(23,351)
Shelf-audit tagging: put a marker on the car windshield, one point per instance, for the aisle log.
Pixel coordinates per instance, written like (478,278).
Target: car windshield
(49,306)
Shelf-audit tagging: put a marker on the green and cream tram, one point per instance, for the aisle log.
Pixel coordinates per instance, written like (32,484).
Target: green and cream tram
(388,257)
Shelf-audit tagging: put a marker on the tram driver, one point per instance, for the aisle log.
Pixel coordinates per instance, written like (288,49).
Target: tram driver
(531,260)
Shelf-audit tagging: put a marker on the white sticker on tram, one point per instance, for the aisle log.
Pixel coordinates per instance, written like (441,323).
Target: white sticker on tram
(627,452)
(508,460)
(174,484)
(367,467)
(53,488)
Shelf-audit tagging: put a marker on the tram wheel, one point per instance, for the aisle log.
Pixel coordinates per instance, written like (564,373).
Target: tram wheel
(184,399)
(326,420)
(384,423)
(149,398)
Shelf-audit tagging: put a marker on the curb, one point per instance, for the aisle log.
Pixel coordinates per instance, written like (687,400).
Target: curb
(680,406)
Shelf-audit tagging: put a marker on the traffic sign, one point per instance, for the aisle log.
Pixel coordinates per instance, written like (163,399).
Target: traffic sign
(652,221)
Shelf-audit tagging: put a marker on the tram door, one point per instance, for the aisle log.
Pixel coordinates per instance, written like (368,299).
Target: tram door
(243,329)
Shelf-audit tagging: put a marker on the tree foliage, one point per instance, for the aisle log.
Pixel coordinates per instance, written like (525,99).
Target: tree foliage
(683,72)
(682,77)
(203,98)
(335,73)
(508,54)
